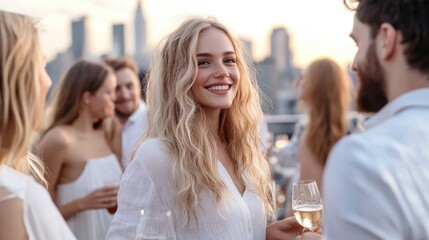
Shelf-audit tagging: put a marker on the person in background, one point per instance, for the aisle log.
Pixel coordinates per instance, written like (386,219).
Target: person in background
(129,107)
(325,94)
(80,149)
(26,209)
(324,91)
(201,154)
(375,184)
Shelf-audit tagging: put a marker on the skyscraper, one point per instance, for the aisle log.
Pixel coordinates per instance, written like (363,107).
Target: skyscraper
(284,97)
(140,35)
(280,49)
(79,38)
(267,81)
(118,48)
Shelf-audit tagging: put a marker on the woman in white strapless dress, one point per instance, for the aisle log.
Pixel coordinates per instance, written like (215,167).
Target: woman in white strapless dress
(80,149)
(26,209)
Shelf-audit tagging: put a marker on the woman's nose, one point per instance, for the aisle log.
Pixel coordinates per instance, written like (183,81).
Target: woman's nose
(221,72)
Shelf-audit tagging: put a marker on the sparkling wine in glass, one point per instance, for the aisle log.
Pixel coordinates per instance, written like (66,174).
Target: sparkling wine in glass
(155,223)
(307,204)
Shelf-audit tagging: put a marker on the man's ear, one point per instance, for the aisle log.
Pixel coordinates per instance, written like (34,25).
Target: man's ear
(389,39)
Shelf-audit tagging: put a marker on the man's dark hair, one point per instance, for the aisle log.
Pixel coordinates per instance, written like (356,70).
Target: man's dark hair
(410,17)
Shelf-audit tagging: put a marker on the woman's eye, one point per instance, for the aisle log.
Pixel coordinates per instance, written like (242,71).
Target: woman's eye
(230,60)
(203,62)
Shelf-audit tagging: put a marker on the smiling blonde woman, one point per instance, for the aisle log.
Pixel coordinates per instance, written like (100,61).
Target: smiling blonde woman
(201,155)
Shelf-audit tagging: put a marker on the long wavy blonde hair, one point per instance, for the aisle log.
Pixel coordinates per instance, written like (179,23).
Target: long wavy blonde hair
(178,121)
(21,105)
(327,97)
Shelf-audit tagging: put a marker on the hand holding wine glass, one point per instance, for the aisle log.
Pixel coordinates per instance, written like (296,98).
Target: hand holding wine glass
(307,204)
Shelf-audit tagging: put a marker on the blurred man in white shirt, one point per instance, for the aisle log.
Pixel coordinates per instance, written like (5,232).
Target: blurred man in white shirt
(129,107)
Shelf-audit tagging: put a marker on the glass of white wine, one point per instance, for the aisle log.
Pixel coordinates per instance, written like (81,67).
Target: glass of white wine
(155,223)
(307,204)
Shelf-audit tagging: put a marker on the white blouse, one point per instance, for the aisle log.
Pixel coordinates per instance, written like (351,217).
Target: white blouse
(42,219)
(132,131)
(148,181)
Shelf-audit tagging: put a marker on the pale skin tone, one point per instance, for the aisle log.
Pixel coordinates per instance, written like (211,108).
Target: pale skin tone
(11,207)
(67,148)
(216,69)
(286,229)
(127,93)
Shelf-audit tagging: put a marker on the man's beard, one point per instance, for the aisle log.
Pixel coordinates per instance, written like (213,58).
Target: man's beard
(371,96)
(122,114)
(125,113)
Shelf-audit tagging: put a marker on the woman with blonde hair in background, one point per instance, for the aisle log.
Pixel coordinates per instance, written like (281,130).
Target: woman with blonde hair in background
(80,149)
(201,155)
(324,92)
(26,210)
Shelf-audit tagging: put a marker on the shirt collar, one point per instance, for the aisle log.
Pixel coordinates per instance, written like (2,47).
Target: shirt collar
(411,99)
(136,114)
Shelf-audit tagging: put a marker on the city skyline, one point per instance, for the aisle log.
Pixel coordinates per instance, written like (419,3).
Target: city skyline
(313,29)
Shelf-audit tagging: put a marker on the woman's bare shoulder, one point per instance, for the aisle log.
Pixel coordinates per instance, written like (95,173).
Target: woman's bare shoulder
(58,137)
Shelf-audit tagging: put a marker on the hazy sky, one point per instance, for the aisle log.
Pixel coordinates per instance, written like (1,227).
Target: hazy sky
(318,28)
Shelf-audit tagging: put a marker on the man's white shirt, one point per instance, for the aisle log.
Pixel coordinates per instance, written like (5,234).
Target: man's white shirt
(376,181)
(132,132)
